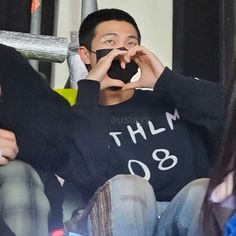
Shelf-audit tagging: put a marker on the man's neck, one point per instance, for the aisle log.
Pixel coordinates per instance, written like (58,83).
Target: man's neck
(113,97)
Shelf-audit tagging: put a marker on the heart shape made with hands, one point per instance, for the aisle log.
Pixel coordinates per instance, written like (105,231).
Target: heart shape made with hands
(115,71)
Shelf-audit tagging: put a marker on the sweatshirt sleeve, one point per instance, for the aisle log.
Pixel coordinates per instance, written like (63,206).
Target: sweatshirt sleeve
(39,117)
(88,94)
(89,160)
(198,101)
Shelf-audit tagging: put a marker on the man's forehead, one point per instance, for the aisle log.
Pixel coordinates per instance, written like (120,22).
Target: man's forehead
(114,28)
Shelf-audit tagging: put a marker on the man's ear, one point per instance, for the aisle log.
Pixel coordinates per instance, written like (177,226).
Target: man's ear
(84,55)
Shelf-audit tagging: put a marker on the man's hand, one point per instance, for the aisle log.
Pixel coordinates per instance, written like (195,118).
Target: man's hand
(8,146)
(150,66)
(99,71)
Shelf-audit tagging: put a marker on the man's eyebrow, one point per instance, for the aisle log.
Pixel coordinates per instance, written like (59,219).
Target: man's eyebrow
(115,34)
(108,34)
(133,37)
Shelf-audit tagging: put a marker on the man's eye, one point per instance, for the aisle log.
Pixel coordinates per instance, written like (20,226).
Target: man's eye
(132,44)
(109,41)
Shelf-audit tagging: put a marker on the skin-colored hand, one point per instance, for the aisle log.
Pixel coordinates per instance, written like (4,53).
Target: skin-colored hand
(149,64)
(99,71)
(8,146)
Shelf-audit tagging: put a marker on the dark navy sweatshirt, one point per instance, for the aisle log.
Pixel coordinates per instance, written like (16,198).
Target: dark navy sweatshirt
(166,135)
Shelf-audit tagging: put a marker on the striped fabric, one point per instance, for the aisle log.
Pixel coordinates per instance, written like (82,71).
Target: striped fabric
(90,221)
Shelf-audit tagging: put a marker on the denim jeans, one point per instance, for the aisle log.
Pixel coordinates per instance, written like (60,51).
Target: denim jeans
(126,205)
(133,207)
(182,216)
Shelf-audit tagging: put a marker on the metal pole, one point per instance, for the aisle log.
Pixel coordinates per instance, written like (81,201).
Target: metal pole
(77,68)
(88,6)
(35,24)
(37,47)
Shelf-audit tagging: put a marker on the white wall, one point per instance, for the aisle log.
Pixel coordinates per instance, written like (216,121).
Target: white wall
(154,18)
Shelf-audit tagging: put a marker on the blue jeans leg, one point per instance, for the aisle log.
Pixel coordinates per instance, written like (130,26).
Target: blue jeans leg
(133,206)
(132,209)
(182,216)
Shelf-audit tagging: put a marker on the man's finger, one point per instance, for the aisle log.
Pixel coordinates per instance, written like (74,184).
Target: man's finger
(131,85)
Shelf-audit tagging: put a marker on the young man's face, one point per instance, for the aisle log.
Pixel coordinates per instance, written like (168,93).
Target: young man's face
(113,34)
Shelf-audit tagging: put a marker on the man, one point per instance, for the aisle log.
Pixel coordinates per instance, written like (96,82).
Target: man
(166,136)
(20,213)
(24,207)
(29,111)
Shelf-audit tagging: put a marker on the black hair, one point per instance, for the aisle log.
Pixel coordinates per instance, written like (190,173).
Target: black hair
(227,152)
(89,24)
